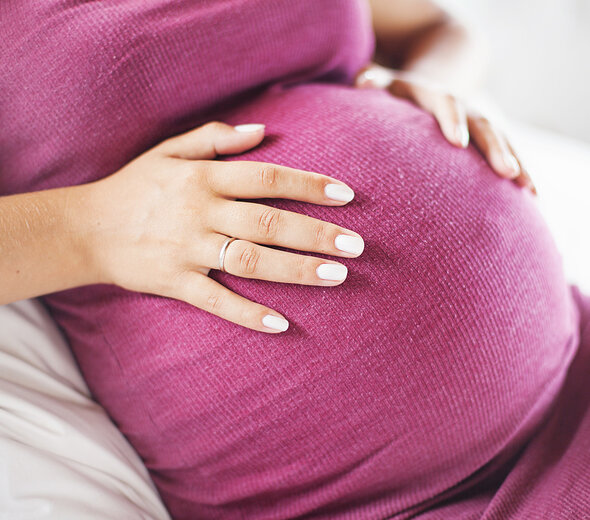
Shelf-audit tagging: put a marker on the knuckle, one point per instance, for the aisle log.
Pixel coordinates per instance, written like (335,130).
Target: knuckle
(248,260)
(269,176)
(406,88)
(269,222)
(250,315)
(320,234)
(311,183)
(300,269)
(450,98)
(214,303)
(205,174)
(187,170)
(484,122)
(213,126)
(163,147)
(185,179)
(174,283)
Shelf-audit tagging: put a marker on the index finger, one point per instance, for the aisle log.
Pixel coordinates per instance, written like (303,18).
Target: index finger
(253,180)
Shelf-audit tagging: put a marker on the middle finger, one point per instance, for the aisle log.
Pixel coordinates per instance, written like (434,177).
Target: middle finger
(267,225)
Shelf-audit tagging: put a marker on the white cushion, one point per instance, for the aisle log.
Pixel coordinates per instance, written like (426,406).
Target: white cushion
(60,455)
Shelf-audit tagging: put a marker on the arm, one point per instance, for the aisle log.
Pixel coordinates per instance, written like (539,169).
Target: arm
(153,227)
(42,243)
(417,36)
(443,59)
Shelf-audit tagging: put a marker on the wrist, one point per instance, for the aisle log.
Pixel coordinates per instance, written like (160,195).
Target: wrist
(84,219)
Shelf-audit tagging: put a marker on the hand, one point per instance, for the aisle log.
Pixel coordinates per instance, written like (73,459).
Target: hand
(158,224)
(456,124)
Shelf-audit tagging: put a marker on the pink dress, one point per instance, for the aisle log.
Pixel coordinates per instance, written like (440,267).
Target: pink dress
(446,378)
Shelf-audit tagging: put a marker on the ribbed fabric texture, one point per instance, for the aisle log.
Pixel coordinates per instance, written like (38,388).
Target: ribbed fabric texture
(433,382)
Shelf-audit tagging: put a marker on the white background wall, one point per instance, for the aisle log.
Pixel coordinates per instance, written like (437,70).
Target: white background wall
(539,70)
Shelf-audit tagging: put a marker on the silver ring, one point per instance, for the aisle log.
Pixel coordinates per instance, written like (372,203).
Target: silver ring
(222,252)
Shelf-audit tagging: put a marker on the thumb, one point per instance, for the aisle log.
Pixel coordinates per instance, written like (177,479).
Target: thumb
(212,139)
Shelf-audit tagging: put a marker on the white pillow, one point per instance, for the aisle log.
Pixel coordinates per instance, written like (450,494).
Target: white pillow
(61,457)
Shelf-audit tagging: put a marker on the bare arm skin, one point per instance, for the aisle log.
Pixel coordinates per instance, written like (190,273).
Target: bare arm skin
(418,36)
(42,244)
(425,56)
(154,227)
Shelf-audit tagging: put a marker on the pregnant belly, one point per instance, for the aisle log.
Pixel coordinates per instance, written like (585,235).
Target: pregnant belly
(438,356)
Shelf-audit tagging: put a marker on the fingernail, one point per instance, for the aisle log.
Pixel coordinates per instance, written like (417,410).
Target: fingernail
(275,322)
(339,192)
(511,165)
(350,244)
(334,272)
(462,135)
(529,184)
(249,128)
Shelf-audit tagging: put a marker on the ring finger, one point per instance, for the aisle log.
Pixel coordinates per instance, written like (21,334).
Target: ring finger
(249,260)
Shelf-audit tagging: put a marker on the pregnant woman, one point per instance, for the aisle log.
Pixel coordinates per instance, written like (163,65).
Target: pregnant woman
(442,379)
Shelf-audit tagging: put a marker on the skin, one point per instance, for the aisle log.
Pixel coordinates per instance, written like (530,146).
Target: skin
(124,230)
(419,48)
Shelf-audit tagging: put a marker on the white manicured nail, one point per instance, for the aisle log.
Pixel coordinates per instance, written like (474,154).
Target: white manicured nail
(463,135)
(350,244)
(511,164)
(333,272)
(275,322)
(249,128)
(339,192)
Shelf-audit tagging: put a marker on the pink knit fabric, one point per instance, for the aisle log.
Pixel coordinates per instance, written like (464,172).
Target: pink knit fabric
(444,378)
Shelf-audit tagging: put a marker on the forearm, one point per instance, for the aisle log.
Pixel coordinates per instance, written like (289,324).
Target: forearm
(451,55)
(42,243)
(417,36)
